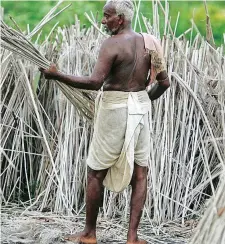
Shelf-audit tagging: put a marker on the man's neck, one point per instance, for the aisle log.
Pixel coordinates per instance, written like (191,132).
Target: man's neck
(125,29)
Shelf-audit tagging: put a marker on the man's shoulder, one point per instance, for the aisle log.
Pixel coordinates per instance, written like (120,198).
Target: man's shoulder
(112,42)
(120,40)
(110,46)
(115,38)
(148,36)
(152,42)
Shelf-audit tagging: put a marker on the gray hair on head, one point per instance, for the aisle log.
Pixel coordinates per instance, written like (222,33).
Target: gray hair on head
(125,7)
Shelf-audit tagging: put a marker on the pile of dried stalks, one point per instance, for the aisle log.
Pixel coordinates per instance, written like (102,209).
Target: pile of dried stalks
(211,228)
(45,138)
(35,227)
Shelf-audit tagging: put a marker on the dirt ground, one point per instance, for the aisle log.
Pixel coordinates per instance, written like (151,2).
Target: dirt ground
(33,227)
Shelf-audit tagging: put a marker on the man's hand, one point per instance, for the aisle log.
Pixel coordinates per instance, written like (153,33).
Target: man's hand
(51,73)
(161,86)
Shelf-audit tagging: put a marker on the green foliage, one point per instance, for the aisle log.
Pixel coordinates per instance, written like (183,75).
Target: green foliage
(217,16)
(32,12)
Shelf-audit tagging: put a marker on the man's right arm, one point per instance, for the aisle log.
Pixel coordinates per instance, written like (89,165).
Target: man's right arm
(106,57)
(160,87)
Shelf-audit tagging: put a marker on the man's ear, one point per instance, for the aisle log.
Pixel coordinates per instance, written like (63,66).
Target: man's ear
(121,20)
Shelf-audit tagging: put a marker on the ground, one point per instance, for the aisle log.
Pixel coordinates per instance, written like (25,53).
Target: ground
(18,227)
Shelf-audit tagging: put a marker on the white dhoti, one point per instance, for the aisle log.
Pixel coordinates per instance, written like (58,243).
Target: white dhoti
(121,136)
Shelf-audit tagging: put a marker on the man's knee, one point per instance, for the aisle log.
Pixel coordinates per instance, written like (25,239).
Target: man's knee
(96,174)
(140,173)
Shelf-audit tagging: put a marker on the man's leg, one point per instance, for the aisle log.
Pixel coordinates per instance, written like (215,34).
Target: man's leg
(139,189)
(93,201)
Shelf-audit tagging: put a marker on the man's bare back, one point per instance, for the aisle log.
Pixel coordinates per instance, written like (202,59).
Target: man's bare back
(122,64)
(131,64)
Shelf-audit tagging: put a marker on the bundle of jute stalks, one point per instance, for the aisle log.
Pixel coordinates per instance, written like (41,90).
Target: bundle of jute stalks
(20,44)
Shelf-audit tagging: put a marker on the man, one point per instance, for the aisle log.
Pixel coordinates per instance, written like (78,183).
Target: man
(120,147)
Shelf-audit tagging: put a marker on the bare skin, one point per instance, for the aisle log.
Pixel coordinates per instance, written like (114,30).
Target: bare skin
(115,68)
(122,65)
(93,200)
(94,187)
(139,190)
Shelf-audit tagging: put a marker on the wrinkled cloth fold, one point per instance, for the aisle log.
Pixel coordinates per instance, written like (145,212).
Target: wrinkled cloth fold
(154,48)
(121,136)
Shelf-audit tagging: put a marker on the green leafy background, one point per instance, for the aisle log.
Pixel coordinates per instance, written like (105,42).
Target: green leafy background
(31,12)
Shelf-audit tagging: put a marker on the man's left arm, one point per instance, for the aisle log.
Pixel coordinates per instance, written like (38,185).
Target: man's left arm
(160,87)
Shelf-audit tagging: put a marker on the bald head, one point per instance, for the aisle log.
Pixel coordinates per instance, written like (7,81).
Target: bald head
(123,7)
